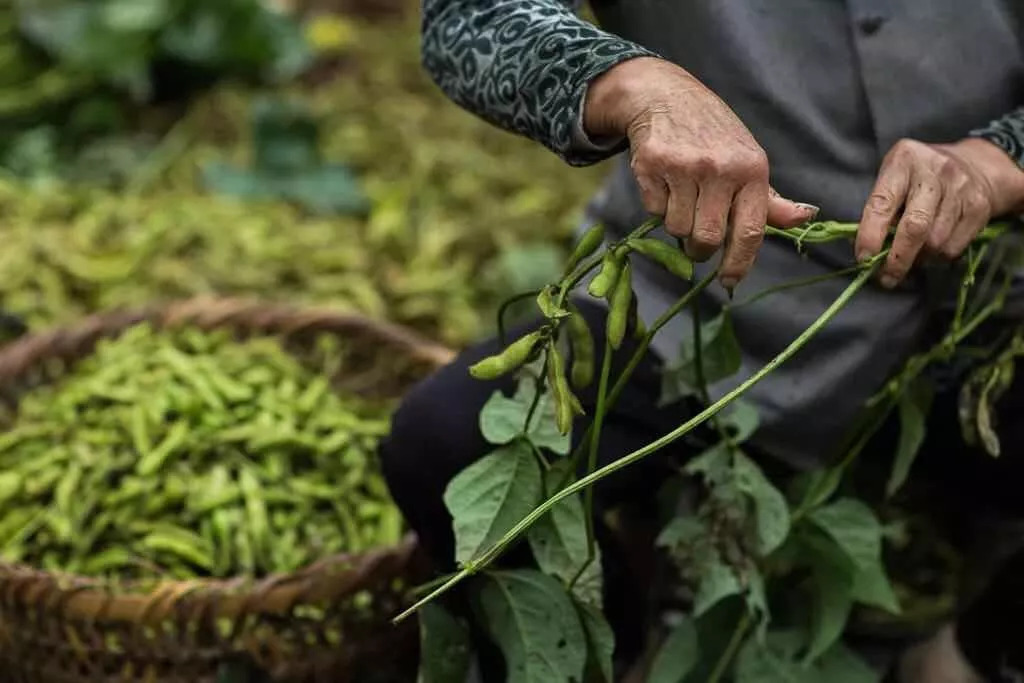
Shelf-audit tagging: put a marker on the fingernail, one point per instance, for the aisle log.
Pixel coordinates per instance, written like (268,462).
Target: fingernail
(809,208)
(729,284)
(888,281)
(863,255)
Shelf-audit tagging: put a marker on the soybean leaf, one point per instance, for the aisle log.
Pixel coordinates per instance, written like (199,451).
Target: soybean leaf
(532,619)
(680,531)
(720,358)
(840,665)
(811,489)
(772,661)
(914,405)
(775,662)
(600,643)
(444,646)
(717,582)
(871,586)
(741,420)
(757,599)
(772,512)
(714,464)
(830,610)
(854,527)
(502,418)
(490,496)
(559,543)
(677,656)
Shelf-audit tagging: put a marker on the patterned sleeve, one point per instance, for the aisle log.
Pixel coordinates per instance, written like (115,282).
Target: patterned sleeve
(1006,132)
(523,65)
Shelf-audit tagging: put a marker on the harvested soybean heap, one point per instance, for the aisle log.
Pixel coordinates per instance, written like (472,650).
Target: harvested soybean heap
(188,453)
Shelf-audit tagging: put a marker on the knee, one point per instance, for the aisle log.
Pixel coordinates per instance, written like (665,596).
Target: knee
(435,431)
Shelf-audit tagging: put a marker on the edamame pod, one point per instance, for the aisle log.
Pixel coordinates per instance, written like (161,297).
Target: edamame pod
(619,311)
(604,282)
(582,342)
(670,258)
(587,245)
(517,353)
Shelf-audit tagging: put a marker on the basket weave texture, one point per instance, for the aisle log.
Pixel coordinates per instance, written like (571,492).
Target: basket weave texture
(71,629)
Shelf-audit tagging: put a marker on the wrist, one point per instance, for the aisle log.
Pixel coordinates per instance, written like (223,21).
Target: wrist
(616,98)
(1004,176)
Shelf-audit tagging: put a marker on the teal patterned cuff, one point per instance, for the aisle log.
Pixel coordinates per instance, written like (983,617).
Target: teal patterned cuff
(1006,132)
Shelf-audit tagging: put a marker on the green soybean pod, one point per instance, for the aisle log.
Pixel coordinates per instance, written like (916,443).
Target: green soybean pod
(151,462)
(621,303)
(180,543)
(508,360)
(671,258)
(582,343)
(560,390)
(604,281)
(256,512)
(587,245)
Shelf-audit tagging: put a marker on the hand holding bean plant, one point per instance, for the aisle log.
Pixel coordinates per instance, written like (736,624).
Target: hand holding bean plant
(774,577)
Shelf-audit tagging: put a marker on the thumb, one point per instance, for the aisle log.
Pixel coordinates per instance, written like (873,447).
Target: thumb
(785,213)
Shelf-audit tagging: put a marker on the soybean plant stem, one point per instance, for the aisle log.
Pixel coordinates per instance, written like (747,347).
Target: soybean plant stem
(516,531)
(595,439)
(729,654)
(702,380)
(641,349)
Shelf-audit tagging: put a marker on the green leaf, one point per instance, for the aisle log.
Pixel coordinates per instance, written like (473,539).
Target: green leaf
(490,496)
(680,531)
(914,406)
(772,512)
(830,610)
(717,582)
(502,418)
(757,598)
(871,586)
(775,661)
(677,656)
(444,646)
(741,420)
(811,489)
(532,619)
(600,643)
(559,543)
(840,665)
(720,357)
(714,464)
(854,527)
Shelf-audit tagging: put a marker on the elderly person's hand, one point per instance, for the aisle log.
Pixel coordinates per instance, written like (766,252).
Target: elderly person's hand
(942,197)
(695,162)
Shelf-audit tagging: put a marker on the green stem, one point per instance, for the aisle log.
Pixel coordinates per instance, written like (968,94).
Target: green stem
(702,382)
(595,439)
(794,284)
(503,310)
(516,531)
(645,342)
(731,649)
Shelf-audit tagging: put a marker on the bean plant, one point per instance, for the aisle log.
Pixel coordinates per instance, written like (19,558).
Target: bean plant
(774,572)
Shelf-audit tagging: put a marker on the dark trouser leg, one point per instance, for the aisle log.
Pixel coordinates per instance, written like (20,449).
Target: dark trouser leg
(985,496)
(435,435)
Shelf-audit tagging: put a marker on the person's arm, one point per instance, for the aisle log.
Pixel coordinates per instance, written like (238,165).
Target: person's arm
(523,66)
(1007,133)
(535,68)
(942,196)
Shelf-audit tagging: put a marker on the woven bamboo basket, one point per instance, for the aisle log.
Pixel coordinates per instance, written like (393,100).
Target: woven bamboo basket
(71,629)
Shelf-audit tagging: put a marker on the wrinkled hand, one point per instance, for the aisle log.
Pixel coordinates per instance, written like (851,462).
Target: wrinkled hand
(942,197)
(696,164)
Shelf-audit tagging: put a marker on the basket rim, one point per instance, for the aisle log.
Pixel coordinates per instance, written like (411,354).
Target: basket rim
(151,601)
